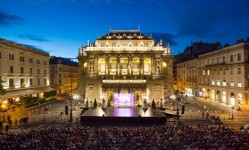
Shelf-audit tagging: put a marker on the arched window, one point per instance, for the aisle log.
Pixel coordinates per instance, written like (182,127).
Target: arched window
(101,66)
(147,66)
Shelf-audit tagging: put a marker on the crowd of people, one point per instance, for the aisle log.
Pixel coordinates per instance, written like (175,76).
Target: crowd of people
(47,138)
(154,137)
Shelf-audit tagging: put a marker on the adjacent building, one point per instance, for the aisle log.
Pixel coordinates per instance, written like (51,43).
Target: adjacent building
(224,74)
(63,75)
(125,67)
(24,70)
(220,75)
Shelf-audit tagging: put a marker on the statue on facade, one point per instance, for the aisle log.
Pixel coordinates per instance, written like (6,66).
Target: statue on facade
(145,104)
(161,104)
(87,103)
(103,105)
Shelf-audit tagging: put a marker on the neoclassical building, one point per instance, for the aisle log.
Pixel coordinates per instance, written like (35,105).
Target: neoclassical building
(125,66)
(24,70)
(224,74)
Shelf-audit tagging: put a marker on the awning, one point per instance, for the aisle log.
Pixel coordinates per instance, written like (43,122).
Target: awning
(22,92)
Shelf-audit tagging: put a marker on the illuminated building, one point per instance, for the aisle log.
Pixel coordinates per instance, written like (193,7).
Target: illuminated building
(224,74)
(24,70)
(125,62)
(63,75)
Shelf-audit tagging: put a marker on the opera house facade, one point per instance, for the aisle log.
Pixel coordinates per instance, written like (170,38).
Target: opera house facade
(125,67)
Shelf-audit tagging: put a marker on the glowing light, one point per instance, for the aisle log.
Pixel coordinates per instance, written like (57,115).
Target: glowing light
(232,101)
(5,101)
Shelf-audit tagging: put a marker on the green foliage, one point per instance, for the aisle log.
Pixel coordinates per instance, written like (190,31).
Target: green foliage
(95,103)
(49,94)
(31,101)
(153,105)
(108,103)
(2,90)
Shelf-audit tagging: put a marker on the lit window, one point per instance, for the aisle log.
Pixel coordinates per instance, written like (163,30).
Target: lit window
(146,45)
(213,83)
(232,83)
(164,64)
(102,44)
(208,72)
(239,84)
(224,83)
(203,72)
(218,82)
(135,44)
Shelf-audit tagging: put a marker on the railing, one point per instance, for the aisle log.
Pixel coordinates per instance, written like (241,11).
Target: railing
(125,48)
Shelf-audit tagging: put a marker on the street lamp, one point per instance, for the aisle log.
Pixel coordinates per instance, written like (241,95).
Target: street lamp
(232,111)
(70,98)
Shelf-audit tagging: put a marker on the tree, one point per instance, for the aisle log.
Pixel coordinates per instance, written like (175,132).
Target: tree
(153,105)
(95,103)
(2,90)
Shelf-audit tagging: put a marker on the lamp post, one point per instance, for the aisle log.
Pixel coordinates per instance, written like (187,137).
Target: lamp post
(70,98)
(232,111)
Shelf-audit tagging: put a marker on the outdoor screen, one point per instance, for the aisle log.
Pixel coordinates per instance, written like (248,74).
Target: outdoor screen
(123,100)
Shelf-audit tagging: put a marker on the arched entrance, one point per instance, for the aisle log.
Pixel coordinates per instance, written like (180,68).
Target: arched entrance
(224,97)
(232,99)
(218,96)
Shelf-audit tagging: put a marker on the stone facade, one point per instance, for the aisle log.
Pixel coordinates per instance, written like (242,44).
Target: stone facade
(24,70)
(125,62)
(63,75)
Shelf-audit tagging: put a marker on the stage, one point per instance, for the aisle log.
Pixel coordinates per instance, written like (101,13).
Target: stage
(124,115)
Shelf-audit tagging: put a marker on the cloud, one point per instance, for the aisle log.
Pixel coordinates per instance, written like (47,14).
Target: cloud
(166,37)
(32,38)
(8,19)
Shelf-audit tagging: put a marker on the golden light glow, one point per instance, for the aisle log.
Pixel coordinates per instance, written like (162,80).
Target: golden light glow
(85,64)
(102,60)
(164,64)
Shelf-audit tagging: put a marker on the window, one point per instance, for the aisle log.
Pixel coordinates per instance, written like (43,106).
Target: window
(11,83)
(11,57)
(38,62)
(22,83)
(22,58)
(213,83)
(102,44)
(224,59)
(30,60)
(224,83)
(38,81)
(218,82)
(45,81)
(59,68)
(30,70)
(232,83)
(231,58)
(146,45)
(22,70)
(0,55)
(38,71)
(208,72)
(113,44)
(44,63)
(239,57)
(11,69)
(239,84)
(135,44)
(59,75)
(45,71)
(239,70)
(231,71)
(31,82)
(203,72)
(218,60)
(59,81)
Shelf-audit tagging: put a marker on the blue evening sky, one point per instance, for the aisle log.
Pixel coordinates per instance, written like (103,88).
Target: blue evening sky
(61,27)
